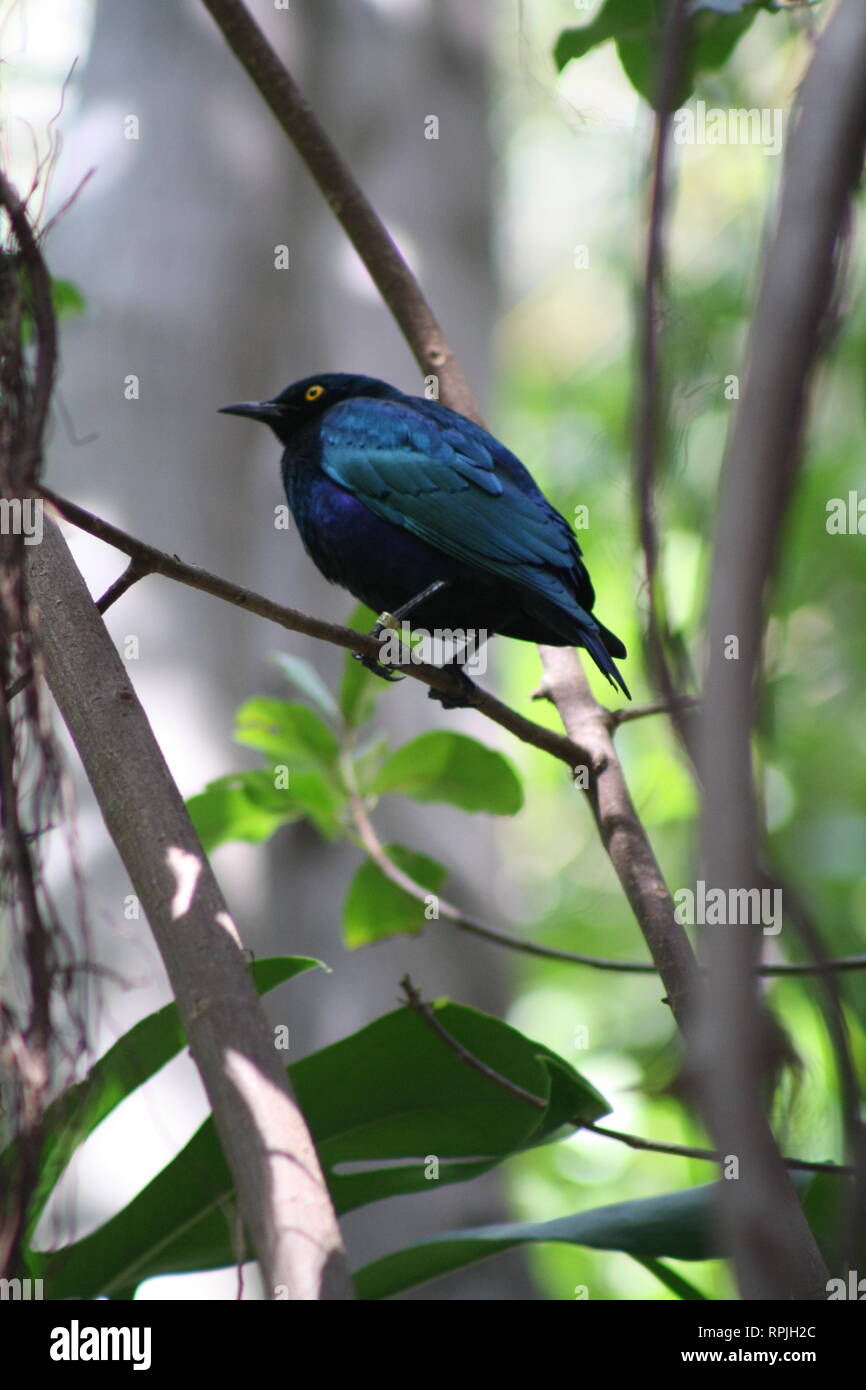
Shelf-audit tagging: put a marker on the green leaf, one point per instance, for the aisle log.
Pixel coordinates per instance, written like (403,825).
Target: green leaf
(320,800)
(367,762)
(828,1206)
(678,1226)
(376,908)
(234,808)
(66,299)
(133,1060)
(289,733)
(359,689)
(307,679)
(638,29)
(381,1105)
(671,1280)
(442,766)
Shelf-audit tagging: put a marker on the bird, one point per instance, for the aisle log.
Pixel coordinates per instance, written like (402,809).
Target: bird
(416,509)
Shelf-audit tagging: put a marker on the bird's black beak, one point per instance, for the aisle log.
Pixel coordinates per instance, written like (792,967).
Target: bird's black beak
(266,411)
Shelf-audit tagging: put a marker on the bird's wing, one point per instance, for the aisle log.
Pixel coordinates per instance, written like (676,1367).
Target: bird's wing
(453,488)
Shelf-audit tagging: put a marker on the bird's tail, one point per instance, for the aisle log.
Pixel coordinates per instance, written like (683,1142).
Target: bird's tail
(599,642)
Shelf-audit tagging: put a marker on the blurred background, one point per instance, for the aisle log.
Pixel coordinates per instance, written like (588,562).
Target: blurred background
(524,221)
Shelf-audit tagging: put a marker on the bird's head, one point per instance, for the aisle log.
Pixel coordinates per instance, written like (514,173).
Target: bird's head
(305,400)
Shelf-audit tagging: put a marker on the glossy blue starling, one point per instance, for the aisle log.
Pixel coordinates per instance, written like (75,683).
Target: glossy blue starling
(417,510)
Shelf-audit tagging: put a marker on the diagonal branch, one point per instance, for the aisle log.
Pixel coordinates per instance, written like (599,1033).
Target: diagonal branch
(363,226)
(149,560)
(385,864)
(622,832)
(797,1165)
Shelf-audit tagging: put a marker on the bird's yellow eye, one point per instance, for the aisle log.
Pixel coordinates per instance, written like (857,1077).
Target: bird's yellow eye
(313,393)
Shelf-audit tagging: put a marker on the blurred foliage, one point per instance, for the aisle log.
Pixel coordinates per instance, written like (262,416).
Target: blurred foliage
(637,27)
(572,177)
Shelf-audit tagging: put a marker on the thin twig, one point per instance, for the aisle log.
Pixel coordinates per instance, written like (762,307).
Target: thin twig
(135,570)
(799,1165)
(648,416)
(380,857)
(630,713)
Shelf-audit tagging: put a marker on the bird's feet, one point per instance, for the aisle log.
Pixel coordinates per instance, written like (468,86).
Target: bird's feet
(383,622)
(371,664)
(464,697)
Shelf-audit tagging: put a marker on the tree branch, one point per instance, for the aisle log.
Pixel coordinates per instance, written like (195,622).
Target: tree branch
(797,1165)
(283,1199)
(649,420)
(622,832)
(153,561)
(364,228)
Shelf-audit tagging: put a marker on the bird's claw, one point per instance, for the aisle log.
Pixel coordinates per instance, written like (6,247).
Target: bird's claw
(465,697)
(383,672)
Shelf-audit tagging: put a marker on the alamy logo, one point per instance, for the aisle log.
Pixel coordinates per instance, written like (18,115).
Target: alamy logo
(854,1288)
(77,1343)
(738,907)
(734,126)
(22,516)
(21,1289)
(846,516)
(415,646)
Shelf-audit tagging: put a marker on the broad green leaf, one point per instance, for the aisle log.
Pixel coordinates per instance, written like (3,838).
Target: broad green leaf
(638,29)
(286,732)
(307,679)
(678,1226)
(442,766)
(233,808)
(376,907)
(382,1105)
(132,1061)
(828,1208)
